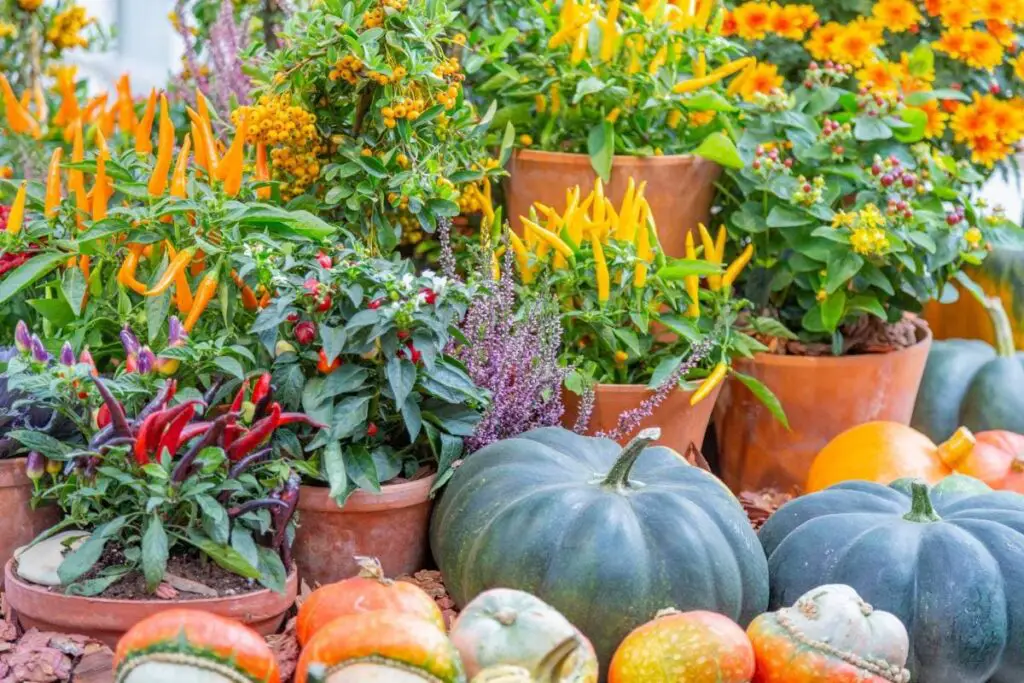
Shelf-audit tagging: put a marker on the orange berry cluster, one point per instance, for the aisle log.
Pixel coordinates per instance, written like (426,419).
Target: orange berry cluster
(451,71)
(347,69)
(290,133)
(406,108)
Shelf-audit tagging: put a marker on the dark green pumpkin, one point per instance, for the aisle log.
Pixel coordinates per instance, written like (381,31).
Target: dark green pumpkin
(947,561)
(968,383)
(607,536)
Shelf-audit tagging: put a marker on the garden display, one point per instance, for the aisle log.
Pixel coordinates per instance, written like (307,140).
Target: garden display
(367,290)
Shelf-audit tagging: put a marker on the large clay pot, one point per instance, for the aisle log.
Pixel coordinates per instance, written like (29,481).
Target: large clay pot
(822,397)
(107,620)
(21,524)
(681,424)
(391,526)
(680,189)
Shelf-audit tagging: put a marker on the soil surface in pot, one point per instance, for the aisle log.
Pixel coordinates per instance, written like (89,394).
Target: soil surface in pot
(867,335)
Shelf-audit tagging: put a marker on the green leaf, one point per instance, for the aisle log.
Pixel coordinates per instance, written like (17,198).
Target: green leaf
(273,575)
(508,142)
(918,122)
(95,586)
(349,416)
(230,366)
(922,60)
(832,310)
(215,519)
(334,339)
(787,217)
(664,370)
(361,468)
(412,418)
(344,380)
(73,286)
(401,374)
(157,308)
(765,396)
(243,543)
(451,450)
(38,441)
(154,553)
(868,128)
(57,311)
(841,270)
(868,304)
(601,148)
(677,269)
(720,149)
(772,328)
(443,207)
(587,86)
(78,562)
(224,556)
(708,100)
(28,273)
(334,468)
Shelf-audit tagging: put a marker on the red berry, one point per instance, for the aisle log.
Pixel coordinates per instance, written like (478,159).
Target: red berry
(789,163)
(324,260)
(952,219)
(994,89)
(887,180)
(293,317)
(429,296)
(305,332)
(324,304)
(756,165)
(375,304)
(371,430)
(807,187)
(839,150)
(876,169)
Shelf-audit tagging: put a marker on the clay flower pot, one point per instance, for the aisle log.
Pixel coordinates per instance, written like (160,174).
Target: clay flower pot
(681,424)
(680,189)
(822,397)
(107,620)
(390,526)
(21,524)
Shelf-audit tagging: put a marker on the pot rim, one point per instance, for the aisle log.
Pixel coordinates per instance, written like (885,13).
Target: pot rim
(11,578)
(605,388)
(574,158)
(839,361)
(391,497)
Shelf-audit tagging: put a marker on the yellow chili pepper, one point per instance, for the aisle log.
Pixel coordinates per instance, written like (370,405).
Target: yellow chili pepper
(600,269)
(144,131)
(711,256)
(579,46)
(174,268)
(613,115)
(720,243)
(126,274)
(262,171)
(204,293)
(692,282)
(556,100)
(179,179)
(610,33)
(643,249)
(709,383)
(550,238)
(231,165)
(732,67)
(703,13)
(700,69)
(658,61)
(16,218)
(734,269)
(522,258)
(165,151)
(626,211)
(53,191)
(737,83)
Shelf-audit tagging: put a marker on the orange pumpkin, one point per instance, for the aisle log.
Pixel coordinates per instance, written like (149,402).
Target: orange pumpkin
(996,459)
(696,647)
(169,645)
(380,646)
(884,452)
(368,592)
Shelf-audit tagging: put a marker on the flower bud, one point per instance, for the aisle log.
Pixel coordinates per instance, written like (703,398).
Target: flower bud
(22,336)
(67,354)
(39,351)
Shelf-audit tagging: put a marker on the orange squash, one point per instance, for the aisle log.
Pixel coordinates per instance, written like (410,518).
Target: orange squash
(996,459)
(367,592)
(696,647)
(175,644)
(379,646)
(884,452)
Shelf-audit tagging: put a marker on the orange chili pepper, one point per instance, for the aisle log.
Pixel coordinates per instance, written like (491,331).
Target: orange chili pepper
(198,263)
(107,120)
(204,293)
(76,179)
(203,105)
(84,265)
(248,297)
(18,117)
(231,165)
(182,292)
(174,269)
(16,218)
(197,136)
(262,170)
(69,111)
(144,131)
(165,151)
(265,300)
(99,190)
(96,104)
(53,192)
(203,139)
(126,275)
(179,179)
(125,106)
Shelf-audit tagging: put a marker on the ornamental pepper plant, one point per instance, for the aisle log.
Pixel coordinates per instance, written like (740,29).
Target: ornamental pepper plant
(855,218)
(176,478)
(361,346)
(396,136)
(606,78)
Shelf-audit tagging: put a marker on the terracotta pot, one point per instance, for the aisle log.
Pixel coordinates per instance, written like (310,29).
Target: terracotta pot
(390,525)
(107,620)
(680,189)
(822,397)
(21,524)
(681,424)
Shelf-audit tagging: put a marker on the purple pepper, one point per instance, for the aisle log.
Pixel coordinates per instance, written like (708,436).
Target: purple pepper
(130,341)
(22,336)
(147,361)
(39,351)
(67,354)
(35,465)
(176,334)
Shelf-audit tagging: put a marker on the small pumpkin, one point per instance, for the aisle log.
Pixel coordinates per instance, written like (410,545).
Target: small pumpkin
(969,383)
(367,592)
(946,561)
(604,534)
(884,452)
(190,645)
(996,459)
(384,647)
(510,627)
(696,647)
(830,635)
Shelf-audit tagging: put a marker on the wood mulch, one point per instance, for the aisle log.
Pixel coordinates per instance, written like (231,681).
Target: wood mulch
(36,657)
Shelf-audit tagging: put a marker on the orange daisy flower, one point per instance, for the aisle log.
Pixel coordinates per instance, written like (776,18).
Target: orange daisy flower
(1008,121)
(953,43)
(987,151)
(970,122)
(1018,66)
(878,76)
(764,78)
(933,7)
(996,10)
(806,14)
(982,51)
(728,24)
(854,46)
(821,40)
(958,13)
(1001,31)
(937,118)
(897,15)
(752,20)
(787,22)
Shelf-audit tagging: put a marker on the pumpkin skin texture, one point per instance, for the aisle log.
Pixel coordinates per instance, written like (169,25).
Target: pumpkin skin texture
(607,536)
(367,592)
(503,626)
(884,452)
(829,636)
(695,647)
(379,646)
(996,459)
(946,561)
(208,644)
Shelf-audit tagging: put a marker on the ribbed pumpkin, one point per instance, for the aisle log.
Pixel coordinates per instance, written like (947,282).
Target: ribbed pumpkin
(830,636)
(368,592)
(695,647)
(969,383)
(503,626)
(185,645)
(607,536)
(996,459)
(947,561)
(379,646)
(884,452)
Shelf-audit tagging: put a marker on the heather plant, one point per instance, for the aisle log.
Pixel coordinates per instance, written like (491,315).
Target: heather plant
(216,37)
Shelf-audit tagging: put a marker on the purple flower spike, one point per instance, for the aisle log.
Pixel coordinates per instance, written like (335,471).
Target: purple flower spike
(39,351)
(176,334)
(147,361)
(22,336)
(130,341)
(67,354)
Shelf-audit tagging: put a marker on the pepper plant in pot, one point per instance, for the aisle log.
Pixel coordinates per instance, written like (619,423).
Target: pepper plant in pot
(856,222)
(178,503)
(361,347)
(618,90)
(645,342)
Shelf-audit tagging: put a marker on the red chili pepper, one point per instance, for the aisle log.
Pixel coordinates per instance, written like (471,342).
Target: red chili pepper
(231,434)
(260,432)
(153,429)
(193,430)
(375,304)
(171,439)
(262,388)
(236,405)
(324,367)
(371,429)
(103,416)
(299,418)
(143,438)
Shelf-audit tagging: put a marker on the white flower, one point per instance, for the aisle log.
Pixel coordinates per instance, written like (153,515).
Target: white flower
(419,300)
(408,280)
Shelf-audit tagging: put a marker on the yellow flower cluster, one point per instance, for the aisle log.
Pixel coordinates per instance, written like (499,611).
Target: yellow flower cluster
(8,30)
(867,230)
(763,79)
(66,30)
(757,20)
(990,127)
(30,5)
(289,131)
(854,43)
(976,48)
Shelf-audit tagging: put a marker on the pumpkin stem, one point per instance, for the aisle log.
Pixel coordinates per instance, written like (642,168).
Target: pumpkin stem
(618,477)
(369,568)
(921,510)
(956,448)
(1001,326)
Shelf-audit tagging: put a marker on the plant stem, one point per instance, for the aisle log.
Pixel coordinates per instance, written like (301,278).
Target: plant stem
(618,477)
(921,510)
(1005,346)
